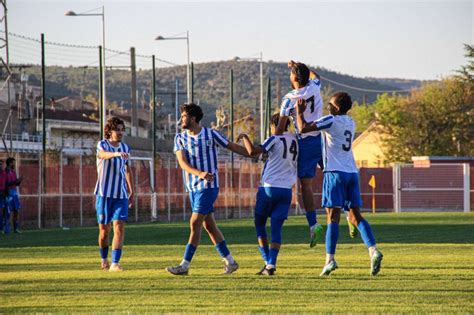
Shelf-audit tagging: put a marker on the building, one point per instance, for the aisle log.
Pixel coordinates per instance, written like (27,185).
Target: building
(367,148)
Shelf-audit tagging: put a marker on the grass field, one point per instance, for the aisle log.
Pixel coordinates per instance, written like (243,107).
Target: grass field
(428,267)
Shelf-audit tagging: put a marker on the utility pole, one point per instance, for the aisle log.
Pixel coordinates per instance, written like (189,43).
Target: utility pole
(133,68)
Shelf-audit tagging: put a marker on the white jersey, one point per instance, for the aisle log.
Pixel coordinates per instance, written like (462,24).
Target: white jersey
(338,134)
(311,93)
(111,180)
(201,151)
(280,168)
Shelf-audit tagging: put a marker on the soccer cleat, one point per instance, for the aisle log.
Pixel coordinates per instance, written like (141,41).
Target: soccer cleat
(105,265)
(376,262)
(328,268)
(267,271)
(17,231)
(353,231)
(230,268)
(178,270)
(115,268)
(315,233)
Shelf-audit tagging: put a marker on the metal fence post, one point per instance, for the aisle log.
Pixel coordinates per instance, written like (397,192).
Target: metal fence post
(467,188)
(80,192)
(40,189)
(396,187)
(168,197)
(61,189)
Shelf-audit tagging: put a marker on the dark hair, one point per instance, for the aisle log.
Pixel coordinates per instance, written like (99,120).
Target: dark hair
(193,110)
(111,125)
(301,71)
(276,118)
(9,160)
(343,100)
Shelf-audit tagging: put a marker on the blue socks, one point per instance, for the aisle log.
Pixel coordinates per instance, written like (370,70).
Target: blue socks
(189,252)
(366,233)
(104,252)
(272,260)
(311,217)
(265,252)
(116,254)
(332,234)
(222,249)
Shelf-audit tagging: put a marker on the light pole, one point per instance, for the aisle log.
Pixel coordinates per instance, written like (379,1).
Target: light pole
(102,14)
(260,60)
(188,85)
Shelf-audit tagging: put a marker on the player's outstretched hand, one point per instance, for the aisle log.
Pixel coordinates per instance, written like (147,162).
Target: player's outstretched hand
(291,64)
(301,105)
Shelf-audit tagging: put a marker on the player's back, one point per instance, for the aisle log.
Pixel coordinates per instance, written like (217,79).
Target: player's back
(280,168)
(338,135)
(311,93)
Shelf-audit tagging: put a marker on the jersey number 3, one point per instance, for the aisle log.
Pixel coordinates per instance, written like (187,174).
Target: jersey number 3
(293,148)
(348,135)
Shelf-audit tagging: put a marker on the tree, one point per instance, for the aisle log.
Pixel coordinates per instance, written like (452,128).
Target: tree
(435,120)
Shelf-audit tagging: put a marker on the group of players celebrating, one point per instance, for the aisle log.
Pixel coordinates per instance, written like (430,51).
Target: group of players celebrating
(319,140)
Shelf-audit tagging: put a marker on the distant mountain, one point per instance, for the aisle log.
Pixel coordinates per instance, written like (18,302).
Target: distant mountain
(211,84)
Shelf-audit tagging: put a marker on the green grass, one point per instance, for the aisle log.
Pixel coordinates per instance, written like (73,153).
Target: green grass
(427,267)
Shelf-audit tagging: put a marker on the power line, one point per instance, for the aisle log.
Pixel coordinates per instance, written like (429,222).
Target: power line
(366,90)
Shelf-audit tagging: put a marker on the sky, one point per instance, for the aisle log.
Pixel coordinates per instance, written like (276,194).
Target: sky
(383,39)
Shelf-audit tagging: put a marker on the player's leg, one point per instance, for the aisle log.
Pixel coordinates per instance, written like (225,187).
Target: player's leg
(353,231)
(16,214)
(2,210)
(354,201)
(332,200)
(281,201)
(200,208)
(308,157)
(119,217)
(220,244)
(261,213)
(104,219)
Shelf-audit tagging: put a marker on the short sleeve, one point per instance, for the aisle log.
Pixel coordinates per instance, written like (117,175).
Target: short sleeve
(178,144)
(219,139)
(267,145)
(324,122)
(285,108)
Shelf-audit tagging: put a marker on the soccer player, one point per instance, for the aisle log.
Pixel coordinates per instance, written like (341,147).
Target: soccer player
(341,177)
(113,191)
(306,86)
(196,150)
(12,201)
(3,192)
(274,194)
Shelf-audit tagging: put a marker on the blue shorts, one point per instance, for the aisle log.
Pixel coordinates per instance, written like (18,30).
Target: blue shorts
(111,209)
(12,201)
(273,202)
(202,201)
(341,190)
(310,154)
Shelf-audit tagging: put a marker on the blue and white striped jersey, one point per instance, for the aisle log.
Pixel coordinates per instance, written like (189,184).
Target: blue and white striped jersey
(338,134)
(111,180)
(201,151)
(311,93)
(280,168)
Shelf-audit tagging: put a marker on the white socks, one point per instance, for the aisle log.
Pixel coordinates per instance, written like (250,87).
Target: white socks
(229,259)
(372,250)
(329,257)
(185,263)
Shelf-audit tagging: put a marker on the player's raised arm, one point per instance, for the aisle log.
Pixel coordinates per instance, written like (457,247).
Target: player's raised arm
(303,126)
(251,149)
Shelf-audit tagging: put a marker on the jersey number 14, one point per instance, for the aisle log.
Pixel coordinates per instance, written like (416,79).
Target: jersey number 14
(293,148)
